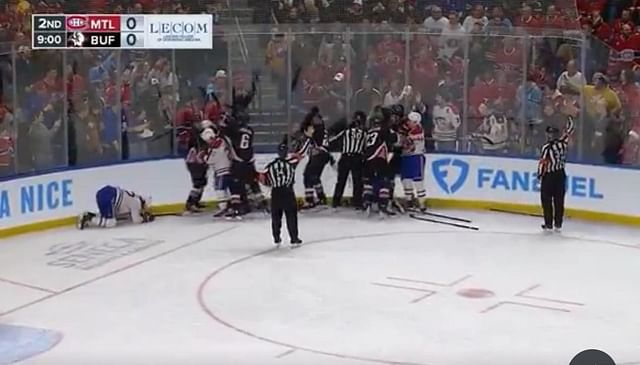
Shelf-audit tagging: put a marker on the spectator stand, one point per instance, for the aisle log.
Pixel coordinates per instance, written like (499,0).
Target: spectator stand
(485,71)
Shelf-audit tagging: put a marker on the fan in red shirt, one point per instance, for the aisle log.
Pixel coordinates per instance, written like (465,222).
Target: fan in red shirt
(389,44)
(184,119)
(599,27)
(554,19)
(629,93)
(314,80)
(508,57)
(421,43)
(624,48)
(484,91)
(424,71)
(527,19)
(392,65)
(6,150)
(587,6)
(625,18)
(506,91)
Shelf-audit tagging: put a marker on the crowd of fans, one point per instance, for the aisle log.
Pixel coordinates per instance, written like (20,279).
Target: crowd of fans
(525,63)
(94,106)
(487,75)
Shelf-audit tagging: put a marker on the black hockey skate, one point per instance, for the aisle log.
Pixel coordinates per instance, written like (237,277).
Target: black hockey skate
(233,214)
(221,212)
(83,219)
(386,212)
(296,242)
(192,208)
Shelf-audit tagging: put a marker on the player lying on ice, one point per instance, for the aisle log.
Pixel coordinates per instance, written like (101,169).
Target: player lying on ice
(116,204)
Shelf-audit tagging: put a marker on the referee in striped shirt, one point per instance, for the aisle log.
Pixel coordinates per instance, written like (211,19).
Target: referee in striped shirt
(551,173)
(280,176)
(351,141)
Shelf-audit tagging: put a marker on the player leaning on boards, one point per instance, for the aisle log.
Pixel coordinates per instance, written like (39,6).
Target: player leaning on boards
(280,175)
(116,204)
(551,171)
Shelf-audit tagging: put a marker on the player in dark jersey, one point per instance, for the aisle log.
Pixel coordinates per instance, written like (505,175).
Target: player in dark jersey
(196,161)
(380,139)
(319,156)
(243,171)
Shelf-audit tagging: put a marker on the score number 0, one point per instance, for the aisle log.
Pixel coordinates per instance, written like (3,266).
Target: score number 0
(133,34)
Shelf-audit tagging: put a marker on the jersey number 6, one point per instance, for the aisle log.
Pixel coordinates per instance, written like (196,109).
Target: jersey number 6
(245,141)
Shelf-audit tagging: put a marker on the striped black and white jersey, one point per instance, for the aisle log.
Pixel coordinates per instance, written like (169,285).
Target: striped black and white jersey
(553,156)
(351,140)
(281,173)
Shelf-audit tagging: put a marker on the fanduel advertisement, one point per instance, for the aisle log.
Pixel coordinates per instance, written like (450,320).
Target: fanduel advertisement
(472,177)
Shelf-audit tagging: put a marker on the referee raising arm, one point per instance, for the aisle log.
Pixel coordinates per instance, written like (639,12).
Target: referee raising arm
(280,176)
(551,173)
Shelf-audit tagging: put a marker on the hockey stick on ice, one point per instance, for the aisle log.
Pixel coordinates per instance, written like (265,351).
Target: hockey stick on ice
(424,219)
(516,213)
(444,217)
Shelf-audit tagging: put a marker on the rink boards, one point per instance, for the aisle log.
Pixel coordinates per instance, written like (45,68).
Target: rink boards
(461,181)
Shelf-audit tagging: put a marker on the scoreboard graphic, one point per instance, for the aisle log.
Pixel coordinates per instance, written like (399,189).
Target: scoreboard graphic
(148,31)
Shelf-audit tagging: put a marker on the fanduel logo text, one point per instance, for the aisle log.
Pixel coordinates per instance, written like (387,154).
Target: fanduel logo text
(451,175)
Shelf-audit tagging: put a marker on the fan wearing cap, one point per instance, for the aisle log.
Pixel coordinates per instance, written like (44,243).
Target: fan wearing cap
(280,174)
(600,100)
(551,171)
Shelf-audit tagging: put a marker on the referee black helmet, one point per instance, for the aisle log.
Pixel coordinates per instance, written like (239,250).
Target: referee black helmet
(552,132)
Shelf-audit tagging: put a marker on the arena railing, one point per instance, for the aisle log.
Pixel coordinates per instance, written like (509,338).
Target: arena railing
(66,108)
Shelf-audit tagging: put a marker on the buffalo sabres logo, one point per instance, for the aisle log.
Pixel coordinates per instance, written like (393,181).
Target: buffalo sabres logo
(76,40)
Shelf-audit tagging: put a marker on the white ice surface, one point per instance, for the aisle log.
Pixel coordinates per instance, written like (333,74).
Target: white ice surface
(202,292)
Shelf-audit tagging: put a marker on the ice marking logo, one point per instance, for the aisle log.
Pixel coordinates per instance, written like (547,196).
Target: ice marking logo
(592,357)
(442,169)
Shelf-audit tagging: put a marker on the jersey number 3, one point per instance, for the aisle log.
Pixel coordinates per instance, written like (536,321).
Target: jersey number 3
(371,139)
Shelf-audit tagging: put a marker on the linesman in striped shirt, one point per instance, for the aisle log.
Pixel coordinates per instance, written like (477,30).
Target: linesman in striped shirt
(351,141)
(280,175)
(552,175)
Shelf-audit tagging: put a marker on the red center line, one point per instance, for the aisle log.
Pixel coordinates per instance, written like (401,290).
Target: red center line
(25,285)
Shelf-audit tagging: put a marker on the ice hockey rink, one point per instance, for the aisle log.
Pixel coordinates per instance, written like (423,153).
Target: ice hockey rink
(187,290)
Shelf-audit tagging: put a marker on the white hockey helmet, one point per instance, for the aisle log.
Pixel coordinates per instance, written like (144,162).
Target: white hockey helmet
(207,134)
(415,117)
(206,124)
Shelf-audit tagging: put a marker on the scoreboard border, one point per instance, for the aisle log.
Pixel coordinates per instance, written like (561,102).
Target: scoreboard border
(146,16)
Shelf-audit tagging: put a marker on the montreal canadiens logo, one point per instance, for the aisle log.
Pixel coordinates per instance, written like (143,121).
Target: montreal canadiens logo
(76,22)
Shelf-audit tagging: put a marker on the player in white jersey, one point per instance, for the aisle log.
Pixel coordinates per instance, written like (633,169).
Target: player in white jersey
(116,204)
(220,163)
(413,161)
